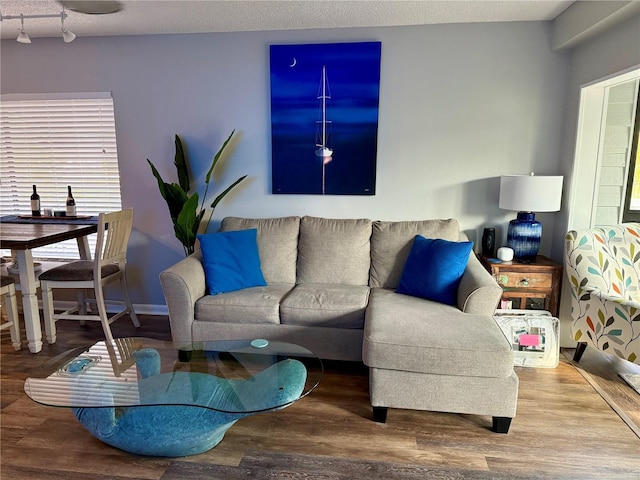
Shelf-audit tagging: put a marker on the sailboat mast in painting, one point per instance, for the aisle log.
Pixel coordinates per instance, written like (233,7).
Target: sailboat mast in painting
(323,95)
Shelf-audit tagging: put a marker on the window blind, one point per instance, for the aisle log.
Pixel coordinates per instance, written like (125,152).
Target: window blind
(56,140)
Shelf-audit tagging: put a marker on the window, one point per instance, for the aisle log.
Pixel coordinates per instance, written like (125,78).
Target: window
(632,199)
(604,167)
(617,129)
(55,140)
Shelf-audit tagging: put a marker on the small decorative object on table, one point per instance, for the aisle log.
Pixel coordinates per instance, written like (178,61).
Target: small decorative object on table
(489,242)
(78,365)
(505,254)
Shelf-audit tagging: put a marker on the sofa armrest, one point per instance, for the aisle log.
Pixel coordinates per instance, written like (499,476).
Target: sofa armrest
(183,284)
(478,291)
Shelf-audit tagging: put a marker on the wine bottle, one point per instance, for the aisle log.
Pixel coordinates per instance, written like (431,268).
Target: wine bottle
(71,203)
(35,203)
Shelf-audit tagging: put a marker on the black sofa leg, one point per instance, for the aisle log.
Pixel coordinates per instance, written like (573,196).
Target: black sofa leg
(380,414)
(580,348)
(184,355)
(501,424)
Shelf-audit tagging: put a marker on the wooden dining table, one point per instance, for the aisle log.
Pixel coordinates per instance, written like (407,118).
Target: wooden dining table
(22,236)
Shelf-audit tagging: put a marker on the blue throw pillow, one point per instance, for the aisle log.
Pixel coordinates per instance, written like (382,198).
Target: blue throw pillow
(434,268)
(231,261)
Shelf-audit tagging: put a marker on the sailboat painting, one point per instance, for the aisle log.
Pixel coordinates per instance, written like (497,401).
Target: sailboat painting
(324,118)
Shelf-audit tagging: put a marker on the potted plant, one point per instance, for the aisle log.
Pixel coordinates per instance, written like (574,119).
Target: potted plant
(185,207)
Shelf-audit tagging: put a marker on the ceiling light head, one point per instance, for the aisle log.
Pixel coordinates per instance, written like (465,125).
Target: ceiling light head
(22,36)
(67,35)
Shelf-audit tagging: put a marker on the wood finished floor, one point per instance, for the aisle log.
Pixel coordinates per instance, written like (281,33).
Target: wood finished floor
(563,428)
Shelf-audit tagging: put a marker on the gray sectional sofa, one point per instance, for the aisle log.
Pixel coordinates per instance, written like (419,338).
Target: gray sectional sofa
(331,288)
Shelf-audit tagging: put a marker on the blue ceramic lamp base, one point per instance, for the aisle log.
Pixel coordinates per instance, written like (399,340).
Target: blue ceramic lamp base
(523,236)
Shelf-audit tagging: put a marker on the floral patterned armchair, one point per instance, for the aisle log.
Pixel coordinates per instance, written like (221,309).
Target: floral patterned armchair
(603,267)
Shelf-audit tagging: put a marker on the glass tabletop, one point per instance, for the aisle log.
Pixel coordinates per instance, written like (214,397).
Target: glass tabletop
(235,376)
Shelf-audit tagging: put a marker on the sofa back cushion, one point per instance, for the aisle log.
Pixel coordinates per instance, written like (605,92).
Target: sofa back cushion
(334,251)
(391,243)
(277,244)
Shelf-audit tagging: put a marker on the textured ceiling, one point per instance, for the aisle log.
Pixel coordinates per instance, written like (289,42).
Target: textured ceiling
(145,17)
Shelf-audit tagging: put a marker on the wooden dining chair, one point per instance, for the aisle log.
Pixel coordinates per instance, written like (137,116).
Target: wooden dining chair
(8,293)
(121,352)
(107,266)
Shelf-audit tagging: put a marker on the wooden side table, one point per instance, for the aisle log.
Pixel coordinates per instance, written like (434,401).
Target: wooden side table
(539,279)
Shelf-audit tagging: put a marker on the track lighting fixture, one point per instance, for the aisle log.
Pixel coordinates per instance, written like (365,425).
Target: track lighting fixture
(23,37)
(67,35)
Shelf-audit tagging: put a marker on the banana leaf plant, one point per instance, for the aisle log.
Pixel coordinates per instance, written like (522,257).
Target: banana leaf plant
(185,208)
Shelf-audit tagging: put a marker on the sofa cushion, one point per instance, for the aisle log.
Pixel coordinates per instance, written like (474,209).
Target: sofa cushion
(334,251)
(277,244)
(391,243)
(251,305)
(434,268)
(412,334)
(325,305)
(230,261)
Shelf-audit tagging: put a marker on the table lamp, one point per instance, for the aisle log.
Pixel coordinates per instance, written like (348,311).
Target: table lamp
(527,194)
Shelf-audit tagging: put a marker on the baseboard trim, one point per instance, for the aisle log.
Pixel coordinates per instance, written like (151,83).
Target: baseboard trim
(150,309)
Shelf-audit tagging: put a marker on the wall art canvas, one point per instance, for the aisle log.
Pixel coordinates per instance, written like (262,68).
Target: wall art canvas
(324,118)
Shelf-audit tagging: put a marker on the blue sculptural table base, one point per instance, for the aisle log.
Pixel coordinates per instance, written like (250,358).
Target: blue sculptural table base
(145,400)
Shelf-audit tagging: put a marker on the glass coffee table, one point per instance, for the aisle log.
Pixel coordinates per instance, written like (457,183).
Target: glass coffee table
(157,398)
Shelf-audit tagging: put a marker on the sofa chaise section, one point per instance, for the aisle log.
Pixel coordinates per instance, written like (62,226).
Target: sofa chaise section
(426,355)
(437,359)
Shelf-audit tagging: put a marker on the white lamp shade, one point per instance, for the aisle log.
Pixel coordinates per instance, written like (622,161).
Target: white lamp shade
(530,193)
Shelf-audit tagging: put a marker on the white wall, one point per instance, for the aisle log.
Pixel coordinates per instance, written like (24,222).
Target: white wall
(459,106)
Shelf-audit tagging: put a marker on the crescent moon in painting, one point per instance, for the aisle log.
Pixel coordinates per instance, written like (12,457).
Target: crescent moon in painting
(293,62)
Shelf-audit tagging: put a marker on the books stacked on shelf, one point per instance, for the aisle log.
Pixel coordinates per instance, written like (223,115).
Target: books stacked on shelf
(506,304)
